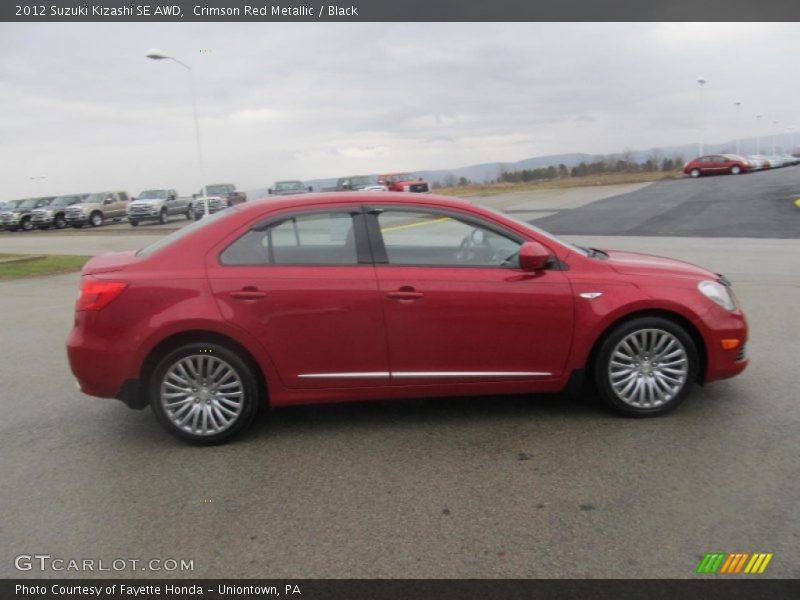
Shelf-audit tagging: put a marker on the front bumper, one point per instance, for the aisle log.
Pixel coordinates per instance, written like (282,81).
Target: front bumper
(718,328)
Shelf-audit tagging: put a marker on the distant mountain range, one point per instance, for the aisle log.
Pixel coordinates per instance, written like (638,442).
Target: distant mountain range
(485,172)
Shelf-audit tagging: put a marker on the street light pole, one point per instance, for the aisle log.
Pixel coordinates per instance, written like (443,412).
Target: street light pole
(738,105)
(702,82)
(774,131)
(758,135)
(156,54)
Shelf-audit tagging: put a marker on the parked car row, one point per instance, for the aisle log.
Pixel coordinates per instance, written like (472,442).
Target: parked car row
(734,164)
(96,209)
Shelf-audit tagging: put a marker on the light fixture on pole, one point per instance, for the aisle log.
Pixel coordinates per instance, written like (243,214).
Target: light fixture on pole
(758,135)
(702,82)
(157,54)
(738,105)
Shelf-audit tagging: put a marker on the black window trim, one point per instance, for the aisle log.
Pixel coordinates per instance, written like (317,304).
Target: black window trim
(363,251)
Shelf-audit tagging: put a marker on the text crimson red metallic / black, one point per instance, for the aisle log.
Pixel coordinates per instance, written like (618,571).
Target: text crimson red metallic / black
(356,296)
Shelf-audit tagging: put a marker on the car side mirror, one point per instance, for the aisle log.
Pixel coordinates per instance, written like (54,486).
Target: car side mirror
(108,201)
(533,256)
(133,198)
(310,189)
(269,191)
(171,197)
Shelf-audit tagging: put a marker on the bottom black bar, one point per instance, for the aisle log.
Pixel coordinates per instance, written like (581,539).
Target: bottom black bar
(403,589)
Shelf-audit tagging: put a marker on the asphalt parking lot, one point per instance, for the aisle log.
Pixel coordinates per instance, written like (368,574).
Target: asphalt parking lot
(533,486)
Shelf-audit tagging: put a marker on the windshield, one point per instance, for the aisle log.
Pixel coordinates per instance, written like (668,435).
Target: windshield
(182,233)
(66,200)
(96,198)
(540,232)
(214,190)
(12,204)
(398,177)
(289,185)
(153,195)
(29,203)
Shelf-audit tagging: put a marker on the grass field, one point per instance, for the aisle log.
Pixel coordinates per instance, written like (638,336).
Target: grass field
(22,265)
(491,189)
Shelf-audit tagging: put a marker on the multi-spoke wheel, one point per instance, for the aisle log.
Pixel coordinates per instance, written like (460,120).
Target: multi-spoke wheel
(204,393)
(646,366)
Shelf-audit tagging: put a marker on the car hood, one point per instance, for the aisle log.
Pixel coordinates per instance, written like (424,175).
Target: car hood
(634,263)
(144,202)
(109,261)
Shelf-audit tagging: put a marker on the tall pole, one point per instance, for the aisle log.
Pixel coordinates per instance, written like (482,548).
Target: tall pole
(702,83)
(738,121)
(156,54)
(758,135)
(774,131)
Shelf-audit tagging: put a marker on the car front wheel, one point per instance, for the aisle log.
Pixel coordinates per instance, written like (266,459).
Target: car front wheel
(162,216)
(646,367)
(203,393)
(695,172)
(96,219)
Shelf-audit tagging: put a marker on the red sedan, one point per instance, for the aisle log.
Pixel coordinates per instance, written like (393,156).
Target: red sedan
(354,296)
(716,164)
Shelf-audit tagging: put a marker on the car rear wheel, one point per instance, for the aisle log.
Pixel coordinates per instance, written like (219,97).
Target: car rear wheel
(162,216)
(646,367)
(695,172)
(96,219)
(133,222)
(26,224)
(203,393)
(736,169)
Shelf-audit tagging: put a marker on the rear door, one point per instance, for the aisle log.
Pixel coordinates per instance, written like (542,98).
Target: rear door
(303,283)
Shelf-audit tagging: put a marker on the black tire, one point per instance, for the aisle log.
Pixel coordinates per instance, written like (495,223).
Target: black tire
(735,170)
(190,212)
(133,222)
(25,224)
(695,173)
(44,227)
(77,225)
(59,222)
(96,219)
(652,374)
(250,400)
(197,217)
(163,217)
(12,228)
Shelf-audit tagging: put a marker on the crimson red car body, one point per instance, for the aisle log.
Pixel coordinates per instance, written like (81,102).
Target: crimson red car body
(321,333)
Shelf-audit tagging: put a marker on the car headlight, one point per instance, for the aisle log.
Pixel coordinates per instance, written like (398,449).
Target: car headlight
(718,293)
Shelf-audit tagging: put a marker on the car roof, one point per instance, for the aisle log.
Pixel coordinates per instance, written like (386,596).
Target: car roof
(336,198)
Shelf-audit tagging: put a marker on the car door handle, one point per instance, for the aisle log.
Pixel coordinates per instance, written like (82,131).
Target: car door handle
(405,293)
(248,294)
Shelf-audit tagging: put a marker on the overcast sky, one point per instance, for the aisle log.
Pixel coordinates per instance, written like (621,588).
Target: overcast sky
(81,104)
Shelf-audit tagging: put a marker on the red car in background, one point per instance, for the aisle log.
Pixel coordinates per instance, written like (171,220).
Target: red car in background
(404,182)
(714,164)
(359,296)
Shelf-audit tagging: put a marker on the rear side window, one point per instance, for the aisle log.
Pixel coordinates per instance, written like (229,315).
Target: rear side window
(309,239)
(182,233)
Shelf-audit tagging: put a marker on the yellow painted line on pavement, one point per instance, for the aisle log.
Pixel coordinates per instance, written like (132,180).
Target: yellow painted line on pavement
(410,225)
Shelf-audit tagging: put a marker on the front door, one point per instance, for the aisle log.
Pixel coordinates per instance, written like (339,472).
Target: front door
(457,306)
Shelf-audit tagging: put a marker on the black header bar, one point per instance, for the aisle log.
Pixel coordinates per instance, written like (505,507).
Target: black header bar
(397,10)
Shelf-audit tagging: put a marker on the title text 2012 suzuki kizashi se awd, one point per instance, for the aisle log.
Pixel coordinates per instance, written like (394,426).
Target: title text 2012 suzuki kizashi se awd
(358,296)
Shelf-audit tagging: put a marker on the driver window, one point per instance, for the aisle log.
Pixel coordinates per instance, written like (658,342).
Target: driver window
(422,238)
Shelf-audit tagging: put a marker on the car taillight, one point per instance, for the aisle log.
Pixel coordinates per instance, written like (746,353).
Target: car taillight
(96,294)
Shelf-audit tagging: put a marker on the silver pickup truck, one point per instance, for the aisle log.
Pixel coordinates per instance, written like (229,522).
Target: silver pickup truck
(159,205)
